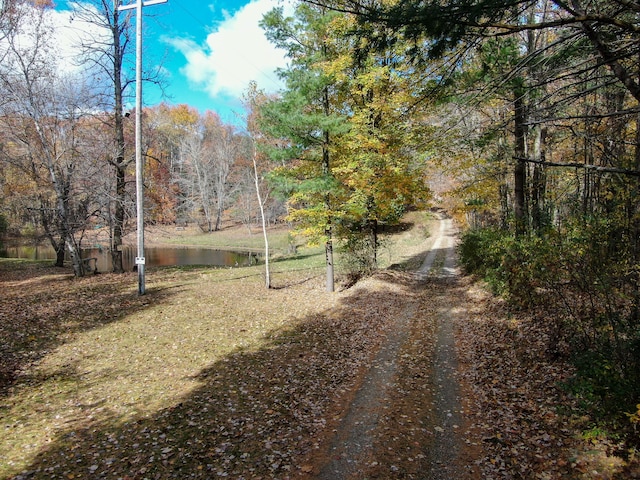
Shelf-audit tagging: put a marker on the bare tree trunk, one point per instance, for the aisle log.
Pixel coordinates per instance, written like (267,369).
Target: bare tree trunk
(76,259)
(61,187)
(520,171)
(539,180)
(60,254)
(49,231)
(504,205)
(218,217)
(264,223)
(118,220)
(120,163)
(326,170)
(328,250)
(635,227)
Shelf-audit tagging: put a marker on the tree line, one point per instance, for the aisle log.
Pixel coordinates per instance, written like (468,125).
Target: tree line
(67,142)
(523,119)
(332,154)
(536,106)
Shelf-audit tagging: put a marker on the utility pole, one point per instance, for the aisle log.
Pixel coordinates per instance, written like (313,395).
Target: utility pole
(140,260)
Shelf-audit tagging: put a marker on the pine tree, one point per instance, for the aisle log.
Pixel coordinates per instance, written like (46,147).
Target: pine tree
(306,122)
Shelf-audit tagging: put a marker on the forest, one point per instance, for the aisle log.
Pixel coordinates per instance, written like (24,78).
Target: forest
(519,118)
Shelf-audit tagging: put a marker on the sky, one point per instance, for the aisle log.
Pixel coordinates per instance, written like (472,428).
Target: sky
(209,51)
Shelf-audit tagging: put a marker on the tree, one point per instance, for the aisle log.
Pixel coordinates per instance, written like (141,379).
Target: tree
(305,122)
(42,120)
(254,100)
(379,161)
(208,152)
(559,43)
(224,146)
(200,166)
(168,128)
(568,72)
(106,55)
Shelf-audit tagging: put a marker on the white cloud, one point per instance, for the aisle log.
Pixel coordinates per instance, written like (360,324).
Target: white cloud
(69,33)
(61,35)
(232,56)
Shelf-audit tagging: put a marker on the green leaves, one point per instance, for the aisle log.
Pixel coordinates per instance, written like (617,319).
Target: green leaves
(348,160)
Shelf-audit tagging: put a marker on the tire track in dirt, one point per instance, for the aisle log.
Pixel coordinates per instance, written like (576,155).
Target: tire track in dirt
(447,407)
(352,448)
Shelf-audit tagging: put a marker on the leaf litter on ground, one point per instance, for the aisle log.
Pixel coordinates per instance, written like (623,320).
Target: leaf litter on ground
(209,375)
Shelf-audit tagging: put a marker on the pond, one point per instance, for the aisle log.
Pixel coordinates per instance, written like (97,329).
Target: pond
(154,256)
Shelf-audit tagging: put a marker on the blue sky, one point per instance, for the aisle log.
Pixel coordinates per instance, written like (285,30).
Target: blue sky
(209,51)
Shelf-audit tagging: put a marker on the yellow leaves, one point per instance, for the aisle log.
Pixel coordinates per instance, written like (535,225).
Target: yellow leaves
(179,115)
(338,68)
(634,418)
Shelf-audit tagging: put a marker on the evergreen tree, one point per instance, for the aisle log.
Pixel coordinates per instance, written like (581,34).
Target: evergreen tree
(305,120)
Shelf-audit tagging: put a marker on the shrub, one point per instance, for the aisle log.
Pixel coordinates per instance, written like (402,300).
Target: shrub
(480,251)
(509,265)
(359,256)
(582,278)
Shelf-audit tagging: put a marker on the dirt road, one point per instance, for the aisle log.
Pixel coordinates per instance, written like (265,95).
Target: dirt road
(405,421)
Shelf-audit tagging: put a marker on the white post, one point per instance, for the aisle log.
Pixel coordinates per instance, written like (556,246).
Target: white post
(140,260)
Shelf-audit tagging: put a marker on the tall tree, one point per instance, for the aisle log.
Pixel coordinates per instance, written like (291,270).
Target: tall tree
(224,146)
(105,54)
(200,164)
(306,121)
(42,114)
(208,151)
(254,100)
(169,127)
(377,161)
(559,42)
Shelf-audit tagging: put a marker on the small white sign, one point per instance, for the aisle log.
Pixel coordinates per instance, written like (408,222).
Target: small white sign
(139,260)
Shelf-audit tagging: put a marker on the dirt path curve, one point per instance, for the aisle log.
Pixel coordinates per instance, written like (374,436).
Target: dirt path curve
(363,444)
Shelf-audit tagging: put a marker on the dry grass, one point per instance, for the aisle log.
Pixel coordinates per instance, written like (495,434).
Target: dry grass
(207,374)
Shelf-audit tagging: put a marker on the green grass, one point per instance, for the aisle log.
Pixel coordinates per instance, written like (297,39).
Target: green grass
(237,238)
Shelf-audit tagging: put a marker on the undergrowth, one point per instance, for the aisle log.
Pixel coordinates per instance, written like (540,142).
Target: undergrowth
(583,280)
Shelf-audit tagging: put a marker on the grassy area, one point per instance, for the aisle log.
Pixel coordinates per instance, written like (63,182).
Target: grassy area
(205,374)
(396,246)
(231,237)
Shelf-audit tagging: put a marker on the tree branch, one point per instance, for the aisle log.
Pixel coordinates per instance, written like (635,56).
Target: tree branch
(508,29)
(586,166)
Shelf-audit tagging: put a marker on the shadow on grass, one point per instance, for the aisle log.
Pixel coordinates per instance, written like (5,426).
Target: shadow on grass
(410,264)
(397,228)
(253,414)
(42,307)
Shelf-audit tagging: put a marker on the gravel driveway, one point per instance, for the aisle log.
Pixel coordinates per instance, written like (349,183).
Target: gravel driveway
(368,442)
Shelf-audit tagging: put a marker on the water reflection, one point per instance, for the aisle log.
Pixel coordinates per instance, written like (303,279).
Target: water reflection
(154,256)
